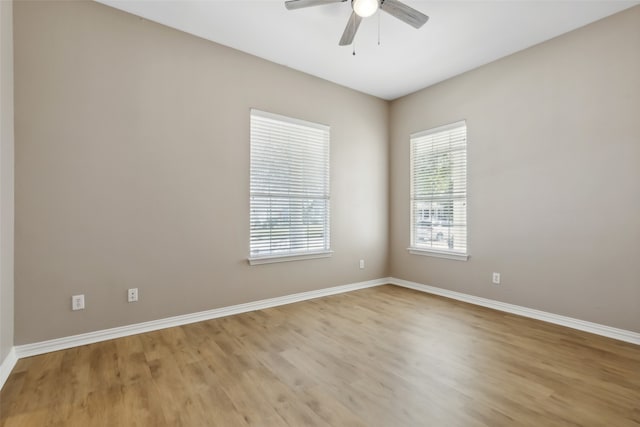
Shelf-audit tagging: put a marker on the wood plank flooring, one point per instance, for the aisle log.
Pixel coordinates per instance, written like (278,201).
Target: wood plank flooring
(384,356)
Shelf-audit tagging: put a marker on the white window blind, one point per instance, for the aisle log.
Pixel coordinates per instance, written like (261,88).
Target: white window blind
(439,190)
(289,187)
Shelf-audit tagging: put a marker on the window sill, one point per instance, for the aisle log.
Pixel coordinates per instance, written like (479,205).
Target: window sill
(285,258)
(439,254)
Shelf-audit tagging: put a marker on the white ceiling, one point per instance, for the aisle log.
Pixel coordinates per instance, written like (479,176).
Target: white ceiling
(459,36)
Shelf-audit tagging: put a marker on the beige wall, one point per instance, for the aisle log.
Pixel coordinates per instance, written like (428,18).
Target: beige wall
(132,168)
(554,175)
(6,178)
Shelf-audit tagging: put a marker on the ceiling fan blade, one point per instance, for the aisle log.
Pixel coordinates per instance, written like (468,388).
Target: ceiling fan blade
(404,13)
(350,30)
(299,4)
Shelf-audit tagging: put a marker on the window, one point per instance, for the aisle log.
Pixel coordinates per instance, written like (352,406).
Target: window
(439,191)
(289,189)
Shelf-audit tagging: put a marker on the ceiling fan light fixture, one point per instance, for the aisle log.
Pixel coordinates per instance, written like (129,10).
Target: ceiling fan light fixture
(365,8)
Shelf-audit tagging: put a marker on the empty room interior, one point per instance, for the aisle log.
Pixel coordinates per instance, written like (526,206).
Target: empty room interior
(319,213)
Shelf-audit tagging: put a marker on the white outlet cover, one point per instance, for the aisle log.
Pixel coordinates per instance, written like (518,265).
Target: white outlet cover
(77,302)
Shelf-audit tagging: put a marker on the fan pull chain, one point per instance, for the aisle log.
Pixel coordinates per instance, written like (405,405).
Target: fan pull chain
(354,38)
(378,28)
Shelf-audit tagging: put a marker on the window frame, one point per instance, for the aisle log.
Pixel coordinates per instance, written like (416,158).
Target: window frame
(431,251)
(284,122)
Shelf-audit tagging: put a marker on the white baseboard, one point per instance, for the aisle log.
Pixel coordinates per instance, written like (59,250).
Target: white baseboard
(34,349)
(42,347)
(7,366)
(582,325)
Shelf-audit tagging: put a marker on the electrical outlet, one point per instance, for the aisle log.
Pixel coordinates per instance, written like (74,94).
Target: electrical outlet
(77,302)
(361,264)
(132,295)
(496,278)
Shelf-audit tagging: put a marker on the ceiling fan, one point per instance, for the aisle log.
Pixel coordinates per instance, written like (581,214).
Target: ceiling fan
(363,9)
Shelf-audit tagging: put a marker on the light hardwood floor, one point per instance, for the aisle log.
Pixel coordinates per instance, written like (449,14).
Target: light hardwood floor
(384,356)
